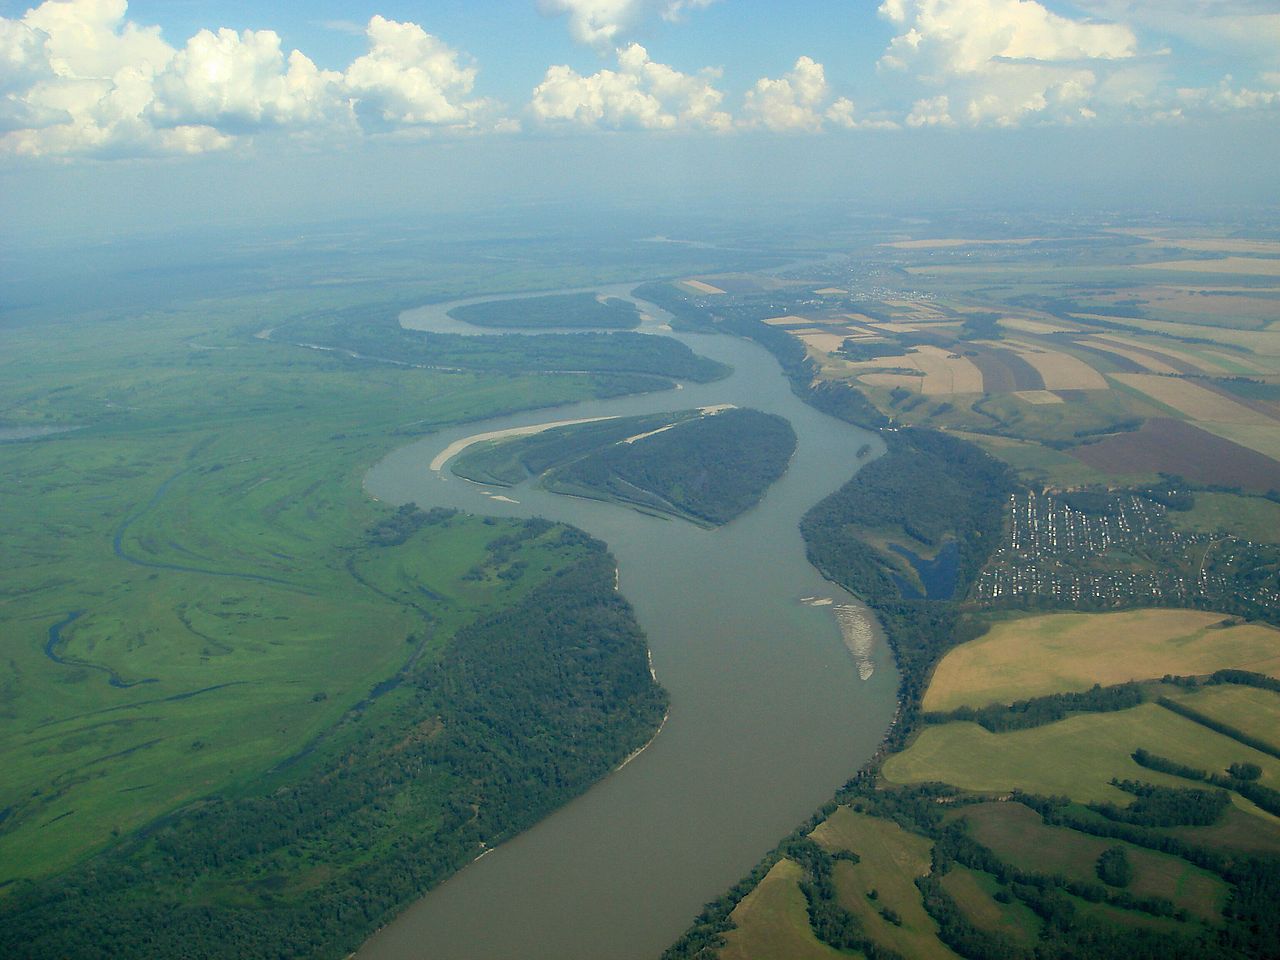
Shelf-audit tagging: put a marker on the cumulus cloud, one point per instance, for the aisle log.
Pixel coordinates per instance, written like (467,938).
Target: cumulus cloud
(799,100)
(639,94)
(78,78)
(409,77)
(240,83)
(1227,96)
(601,23)
(934,112)
(1003,60)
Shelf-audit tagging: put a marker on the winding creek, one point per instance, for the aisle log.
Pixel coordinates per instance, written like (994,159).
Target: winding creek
(780,688)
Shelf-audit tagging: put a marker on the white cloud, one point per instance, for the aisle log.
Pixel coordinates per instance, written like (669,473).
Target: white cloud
(797,101)
(409,77)
(934,112)
(77,78)
(640,94)
(1226,96)
(1005,61)
(601,23)
(239,83)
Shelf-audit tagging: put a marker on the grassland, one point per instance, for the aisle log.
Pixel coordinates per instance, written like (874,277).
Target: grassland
(182,590)
(1076,757)
(1033,656)
(890,860)
(772,921)
(1021,838)
(974,892)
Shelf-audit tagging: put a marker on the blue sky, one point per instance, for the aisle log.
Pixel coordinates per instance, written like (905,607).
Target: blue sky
(191,88)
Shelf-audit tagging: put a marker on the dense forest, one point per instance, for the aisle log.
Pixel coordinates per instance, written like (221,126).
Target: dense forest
(710,469)
(523,709)
(705,468)
(933,488)
(513,460)
(556,310)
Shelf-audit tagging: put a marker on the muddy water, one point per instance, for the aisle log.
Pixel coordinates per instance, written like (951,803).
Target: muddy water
(773,704)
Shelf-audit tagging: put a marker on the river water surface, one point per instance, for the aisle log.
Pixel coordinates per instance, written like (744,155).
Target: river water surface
(773,704)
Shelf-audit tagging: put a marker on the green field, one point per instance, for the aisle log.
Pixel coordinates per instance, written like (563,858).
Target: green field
(186,591)
(1250,518)
(890,861)
(771,921)
(1076,757)
(1256,712)
(1019,837)
(974,892)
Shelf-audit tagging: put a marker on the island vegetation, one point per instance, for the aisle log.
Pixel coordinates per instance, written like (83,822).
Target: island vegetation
(704,466)
(556,310)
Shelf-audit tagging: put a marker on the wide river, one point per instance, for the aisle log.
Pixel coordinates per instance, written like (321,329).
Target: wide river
(780,688)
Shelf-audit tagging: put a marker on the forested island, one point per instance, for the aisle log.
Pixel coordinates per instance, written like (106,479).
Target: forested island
(555,310)
(704,466)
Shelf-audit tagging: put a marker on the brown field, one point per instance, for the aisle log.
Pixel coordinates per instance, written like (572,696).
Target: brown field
(1060,371)
(1023,325)
(830,291)
(1262,437)
(1180,357)
(697,286)
(1192,400)
(1037,655)
(941,244)
(820,340)
(947,373)
(890,860)
(1141,358)
(1038,396)
(944,373)
(1265,343)
(1018,374)
(1207,301)
(1243,266)
(1165,445)
(1215,244)
(1019,836)
(894,327)
(790,321)
(891,381)
(773,921)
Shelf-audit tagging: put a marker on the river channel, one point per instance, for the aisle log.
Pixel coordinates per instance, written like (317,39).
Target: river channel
(780,688)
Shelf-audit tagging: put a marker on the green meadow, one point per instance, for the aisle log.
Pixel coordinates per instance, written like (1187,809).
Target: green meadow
(187,592)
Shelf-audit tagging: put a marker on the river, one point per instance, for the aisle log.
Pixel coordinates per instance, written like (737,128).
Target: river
(773,707)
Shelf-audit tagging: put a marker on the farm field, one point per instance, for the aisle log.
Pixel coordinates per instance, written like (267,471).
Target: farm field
(1019,836)
(1140,409)
(772,921)
(890,860)
(1076,757)
(974,892)
(1033,656)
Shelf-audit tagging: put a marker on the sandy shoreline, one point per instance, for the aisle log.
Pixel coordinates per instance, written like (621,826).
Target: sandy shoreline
(455,448)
